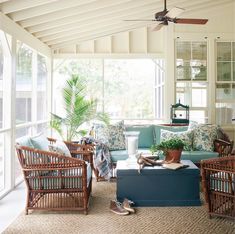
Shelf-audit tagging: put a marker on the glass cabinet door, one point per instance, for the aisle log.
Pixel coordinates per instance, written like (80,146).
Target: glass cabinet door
(225,84)
(191,60)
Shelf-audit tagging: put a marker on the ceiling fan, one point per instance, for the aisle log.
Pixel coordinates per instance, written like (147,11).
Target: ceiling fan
(166,16)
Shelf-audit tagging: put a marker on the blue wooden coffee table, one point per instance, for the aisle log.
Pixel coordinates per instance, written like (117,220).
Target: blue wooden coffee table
(157,186)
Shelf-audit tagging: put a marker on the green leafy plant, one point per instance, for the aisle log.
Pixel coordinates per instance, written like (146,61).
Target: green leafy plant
(171,144)
(78,110)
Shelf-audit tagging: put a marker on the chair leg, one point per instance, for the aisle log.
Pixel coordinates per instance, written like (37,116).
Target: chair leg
(26,211)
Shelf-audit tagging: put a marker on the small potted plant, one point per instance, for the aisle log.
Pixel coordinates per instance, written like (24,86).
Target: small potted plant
(171,148)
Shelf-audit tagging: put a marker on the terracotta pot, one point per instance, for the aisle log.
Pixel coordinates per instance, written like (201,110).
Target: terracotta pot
(173,156)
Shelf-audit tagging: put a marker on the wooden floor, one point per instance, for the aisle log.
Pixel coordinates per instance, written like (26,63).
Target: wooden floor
(11,206)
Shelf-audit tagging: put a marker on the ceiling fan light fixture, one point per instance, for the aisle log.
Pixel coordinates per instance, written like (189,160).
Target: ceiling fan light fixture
(166,16)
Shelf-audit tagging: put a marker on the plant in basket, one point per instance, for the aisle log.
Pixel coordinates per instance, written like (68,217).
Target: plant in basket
(171,149)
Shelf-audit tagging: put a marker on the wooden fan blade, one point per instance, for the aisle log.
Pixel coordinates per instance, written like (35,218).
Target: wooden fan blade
(174,12)
(140,20)
(158,27)
(190,21)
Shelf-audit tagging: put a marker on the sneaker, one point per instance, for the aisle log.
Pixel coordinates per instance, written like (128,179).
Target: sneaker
(116,207)
(127,205)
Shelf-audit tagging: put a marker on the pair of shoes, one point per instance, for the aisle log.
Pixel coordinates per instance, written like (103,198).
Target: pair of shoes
(117,208)
(127,205)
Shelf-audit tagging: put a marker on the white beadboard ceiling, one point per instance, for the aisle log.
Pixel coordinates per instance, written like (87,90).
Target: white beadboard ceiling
(68,22)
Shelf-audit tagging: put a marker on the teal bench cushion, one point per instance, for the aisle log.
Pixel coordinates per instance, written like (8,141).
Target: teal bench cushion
(146,134)
(157,131)
(117,155)
(194,156)
(197,156)
(222,182)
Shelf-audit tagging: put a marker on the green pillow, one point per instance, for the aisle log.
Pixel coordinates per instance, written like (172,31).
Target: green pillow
(158,128)
(146,139)
(25,141)
(40,142)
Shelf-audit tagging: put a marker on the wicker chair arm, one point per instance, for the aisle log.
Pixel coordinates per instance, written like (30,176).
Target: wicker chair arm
(77,146)
(224,148)
(46,159)
(78,150)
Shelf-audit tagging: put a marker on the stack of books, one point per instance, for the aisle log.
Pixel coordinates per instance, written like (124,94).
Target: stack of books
(174,166)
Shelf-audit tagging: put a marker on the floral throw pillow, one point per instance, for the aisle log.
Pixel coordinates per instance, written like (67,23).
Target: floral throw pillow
(186,136)
(204,136)
(192,125)
(61,148)
(116,139)
(111,135)
(101,133)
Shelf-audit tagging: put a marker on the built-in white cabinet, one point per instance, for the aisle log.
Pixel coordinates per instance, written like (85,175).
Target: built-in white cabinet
(225,82)
(191,77)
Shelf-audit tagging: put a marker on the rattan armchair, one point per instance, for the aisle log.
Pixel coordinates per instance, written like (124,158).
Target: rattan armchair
(55,182)
(218,181)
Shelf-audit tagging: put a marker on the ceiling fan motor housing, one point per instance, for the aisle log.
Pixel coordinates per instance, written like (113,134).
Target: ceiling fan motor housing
(160,16)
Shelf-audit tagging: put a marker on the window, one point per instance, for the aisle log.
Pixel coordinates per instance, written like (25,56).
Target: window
(2,162)
(41,87)
(225,83)
(191,78)
(23,83)
(159,88)
(1,84)
(30,94)
(18,171)
(129,88)
(125,88)
(90,69)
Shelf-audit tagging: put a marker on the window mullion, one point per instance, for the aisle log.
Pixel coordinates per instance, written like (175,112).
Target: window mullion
(34,90)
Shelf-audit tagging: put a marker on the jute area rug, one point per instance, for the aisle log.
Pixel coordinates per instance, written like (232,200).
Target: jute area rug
(101,220)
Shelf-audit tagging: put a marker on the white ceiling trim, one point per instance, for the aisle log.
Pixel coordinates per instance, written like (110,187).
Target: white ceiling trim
(208,6)
(96,22)
(97,35)
(90,30)
(19,5)
(103,12)
(98,19)
(60,22)
(47,8)
(71,12)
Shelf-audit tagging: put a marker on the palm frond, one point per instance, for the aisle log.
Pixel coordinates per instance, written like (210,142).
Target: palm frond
(78,109)
(57,124)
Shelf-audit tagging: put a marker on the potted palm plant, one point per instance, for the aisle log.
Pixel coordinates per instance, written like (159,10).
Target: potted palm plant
(171,149)
(78,110)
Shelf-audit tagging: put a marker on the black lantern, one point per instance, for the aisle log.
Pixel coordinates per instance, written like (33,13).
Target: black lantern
(179,113)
